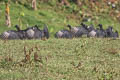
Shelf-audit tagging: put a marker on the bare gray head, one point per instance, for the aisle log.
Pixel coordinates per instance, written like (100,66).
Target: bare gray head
(17,27)
(69,26)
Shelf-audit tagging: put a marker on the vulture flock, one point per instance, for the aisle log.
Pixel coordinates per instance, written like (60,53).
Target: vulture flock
(72,32)
(29,33)
(88,31)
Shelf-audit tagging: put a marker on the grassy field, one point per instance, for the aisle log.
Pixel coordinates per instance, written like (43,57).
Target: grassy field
(60,59)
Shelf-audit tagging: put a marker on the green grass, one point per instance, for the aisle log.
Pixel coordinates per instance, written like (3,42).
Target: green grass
(56,20)
(53,15)
(60,59)
(99,59)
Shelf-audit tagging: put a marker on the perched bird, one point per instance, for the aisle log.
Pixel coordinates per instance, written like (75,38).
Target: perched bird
(115,34)
(46,32)
(21,33)
(79,31)
(35,33)
(63,34)
(92,31)
(13,34)
(100,33)
(109,31)
(10,34)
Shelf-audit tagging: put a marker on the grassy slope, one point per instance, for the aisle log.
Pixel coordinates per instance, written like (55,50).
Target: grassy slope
(99,59)
(45,15)
(55,17)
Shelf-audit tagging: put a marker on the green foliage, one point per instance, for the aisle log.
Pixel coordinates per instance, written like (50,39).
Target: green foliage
(73,8)
(52,2)
(6,1)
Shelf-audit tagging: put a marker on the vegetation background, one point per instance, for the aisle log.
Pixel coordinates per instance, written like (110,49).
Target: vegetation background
(60,59)
(57,15)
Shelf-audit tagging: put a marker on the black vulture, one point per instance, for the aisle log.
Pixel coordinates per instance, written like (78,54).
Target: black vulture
(35,33)
(92,31)
(115,34)
(100,33)
(46,32)
(21,33)
(79,31)
(63,34)
(109,31)
(11,34)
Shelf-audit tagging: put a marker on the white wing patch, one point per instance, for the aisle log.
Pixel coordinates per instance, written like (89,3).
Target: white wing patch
(6,35)
(60,33)
(75,29)
(92,33)
(30,33)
